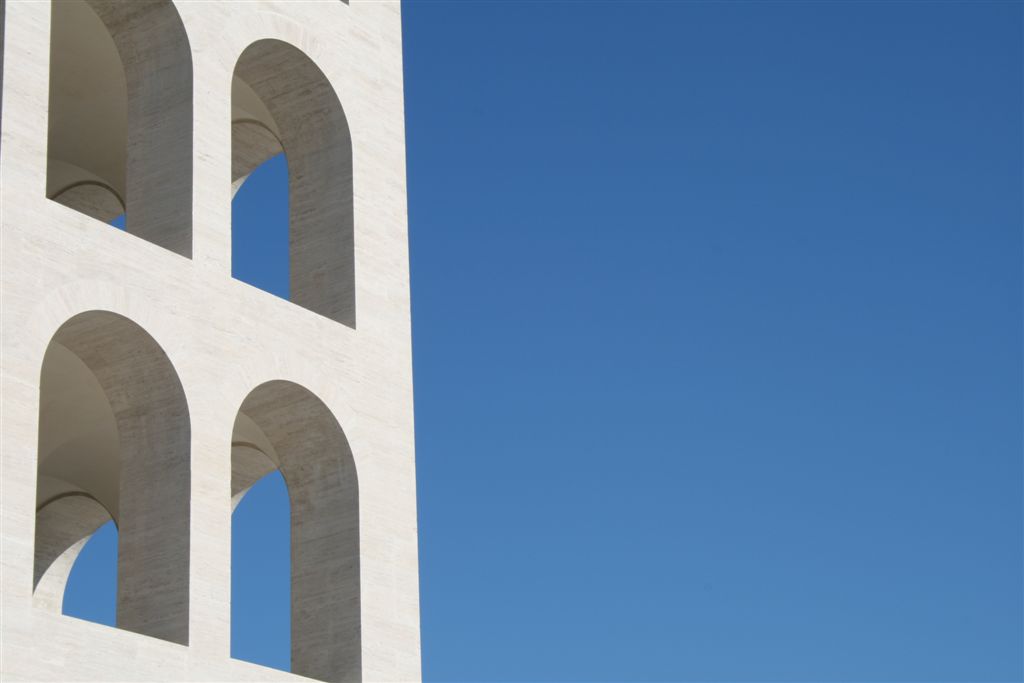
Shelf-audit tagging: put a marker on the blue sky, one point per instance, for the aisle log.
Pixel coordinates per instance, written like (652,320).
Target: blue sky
(717,315)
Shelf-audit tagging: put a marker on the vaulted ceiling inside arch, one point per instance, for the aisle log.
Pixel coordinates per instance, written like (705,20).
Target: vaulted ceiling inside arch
(88,110)
(87,142)
(78,438)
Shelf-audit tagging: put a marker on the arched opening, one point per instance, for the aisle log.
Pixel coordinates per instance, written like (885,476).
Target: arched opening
(114,443)
(282,102)
(261,574)
(64,527)
(282,426)
(120,80)
(259,240)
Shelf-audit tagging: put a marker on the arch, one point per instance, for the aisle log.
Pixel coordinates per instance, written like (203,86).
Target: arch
(281,101)
(92,197)
(282,425)
(64,525)
(114,442)
(120,123)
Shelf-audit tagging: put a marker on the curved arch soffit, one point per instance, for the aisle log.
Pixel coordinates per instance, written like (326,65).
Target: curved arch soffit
(94,198)
(102,361)
(98,367)
(299,101)
(121,77)
(318,468)
(275,404)
(64,524)
(253,143)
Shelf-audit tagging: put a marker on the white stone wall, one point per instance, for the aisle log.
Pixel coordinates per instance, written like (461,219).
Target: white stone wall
(224,338)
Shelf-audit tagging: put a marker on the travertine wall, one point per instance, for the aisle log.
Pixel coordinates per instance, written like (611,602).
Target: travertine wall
(223,337)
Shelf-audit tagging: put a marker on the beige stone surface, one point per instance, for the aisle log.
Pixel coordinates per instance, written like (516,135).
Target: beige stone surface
(223,338)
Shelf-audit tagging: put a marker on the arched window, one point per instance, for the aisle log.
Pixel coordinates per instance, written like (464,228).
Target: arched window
(282,102)
(282,426)
(120,80)
(114,442)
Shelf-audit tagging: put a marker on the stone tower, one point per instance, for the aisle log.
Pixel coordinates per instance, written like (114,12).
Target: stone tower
(142,384)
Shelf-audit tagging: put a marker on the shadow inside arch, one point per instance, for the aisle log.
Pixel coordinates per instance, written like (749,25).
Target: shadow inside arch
(281,425)
(114,444)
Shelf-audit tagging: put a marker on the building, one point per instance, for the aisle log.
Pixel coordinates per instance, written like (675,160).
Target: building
(142,383)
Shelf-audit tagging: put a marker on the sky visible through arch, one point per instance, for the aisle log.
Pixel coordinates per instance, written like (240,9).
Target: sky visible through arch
(260,552)
(717,340)
(261,555)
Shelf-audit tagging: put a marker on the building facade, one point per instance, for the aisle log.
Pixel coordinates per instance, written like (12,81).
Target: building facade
(142,384)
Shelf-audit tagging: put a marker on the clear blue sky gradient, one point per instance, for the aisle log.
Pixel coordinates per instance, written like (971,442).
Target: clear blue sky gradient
(717,315)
